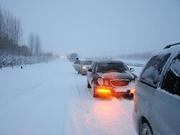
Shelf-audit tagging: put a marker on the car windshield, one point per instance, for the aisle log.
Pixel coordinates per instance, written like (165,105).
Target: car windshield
(111,67)
(86,62)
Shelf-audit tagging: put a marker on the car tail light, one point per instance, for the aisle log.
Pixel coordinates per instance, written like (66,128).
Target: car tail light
(103,91)
(102,82)
(132,91)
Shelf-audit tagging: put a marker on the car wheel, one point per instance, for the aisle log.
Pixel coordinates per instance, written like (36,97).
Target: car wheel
(93,90)
(88,85)
(131,96)
(95,95)
(145,129)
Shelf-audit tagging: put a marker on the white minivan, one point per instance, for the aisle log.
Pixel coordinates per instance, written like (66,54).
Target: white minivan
(157,96)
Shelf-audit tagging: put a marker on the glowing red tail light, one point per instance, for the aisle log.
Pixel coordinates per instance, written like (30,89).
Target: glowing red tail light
(103,91)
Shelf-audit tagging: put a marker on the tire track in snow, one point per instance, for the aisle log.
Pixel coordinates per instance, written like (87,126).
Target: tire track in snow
(98,116)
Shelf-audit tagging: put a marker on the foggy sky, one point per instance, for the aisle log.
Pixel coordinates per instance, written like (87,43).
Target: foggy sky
(99,27)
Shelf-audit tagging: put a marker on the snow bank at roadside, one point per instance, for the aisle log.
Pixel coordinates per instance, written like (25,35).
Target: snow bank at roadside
(10,61)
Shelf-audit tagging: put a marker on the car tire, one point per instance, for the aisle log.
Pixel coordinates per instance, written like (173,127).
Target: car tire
(131,96)
(145,129)
(95,95)
(93,90)
(88,85)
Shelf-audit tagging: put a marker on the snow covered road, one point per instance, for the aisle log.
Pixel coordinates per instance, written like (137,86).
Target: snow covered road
(51,99)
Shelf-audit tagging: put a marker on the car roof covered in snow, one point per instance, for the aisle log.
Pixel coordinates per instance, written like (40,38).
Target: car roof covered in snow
(108,61)
(174,48)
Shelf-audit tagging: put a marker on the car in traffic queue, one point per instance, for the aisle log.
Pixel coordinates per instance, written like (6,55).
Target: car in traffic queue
(85,65)
(82,66)
(157,95)
(110,78)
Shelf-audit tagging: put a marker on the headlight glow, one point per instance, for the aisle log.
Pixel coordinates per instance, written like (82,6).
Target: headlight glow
(132,91)
(84,67)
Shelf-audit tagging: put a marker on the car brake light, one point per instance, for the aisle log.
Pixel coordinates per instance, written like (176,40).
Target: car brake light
(103,90)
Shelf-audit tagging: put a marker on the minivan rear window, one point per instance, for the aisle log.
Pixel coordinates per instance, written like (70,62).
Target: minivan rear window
(153,69)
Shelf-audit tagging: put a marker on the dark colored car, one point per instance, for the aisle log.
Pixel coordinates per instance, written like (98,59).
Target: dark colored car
(109,78)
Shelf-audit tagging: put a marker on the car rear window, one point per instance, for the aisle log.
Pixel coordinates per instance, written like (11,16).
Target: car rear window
(116,67)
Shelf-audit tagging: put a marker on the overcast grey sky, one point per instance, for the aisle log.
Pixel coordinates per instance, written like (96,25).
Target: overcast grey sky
(99,27)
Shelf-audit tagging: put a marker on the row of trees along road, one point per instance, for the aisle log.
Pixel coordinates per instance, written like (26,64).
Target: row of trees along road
(10,37)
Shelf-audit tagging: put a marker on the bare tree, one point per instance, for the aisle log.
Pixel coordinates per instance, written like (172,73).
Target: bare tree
(11,52)
(1,23)
(31,42)
(34,44)
(37,45)
(17,30)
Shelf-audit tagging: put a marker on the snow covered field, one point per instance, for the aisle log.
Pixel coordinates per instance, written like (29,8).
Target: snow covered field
(51,99)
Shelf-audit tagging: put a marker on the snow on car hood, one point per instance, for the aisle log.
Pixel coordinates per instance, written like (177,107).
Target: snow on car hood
(117,75)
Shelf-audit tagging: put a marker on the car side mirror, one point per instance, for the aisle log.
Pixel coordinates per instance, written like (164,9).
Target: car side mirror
(132,69)
(90,70)
(135,76)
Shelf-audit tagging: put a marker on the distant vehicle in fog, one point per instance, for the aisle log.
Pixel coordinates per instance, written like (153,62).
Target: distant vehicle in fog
(110,78)
(82,66)
(157,98)
(72,57)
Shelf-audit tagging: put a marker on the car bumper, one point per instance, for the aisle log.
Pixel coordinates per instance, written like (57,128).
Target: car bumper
(124,89)
(109,91)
